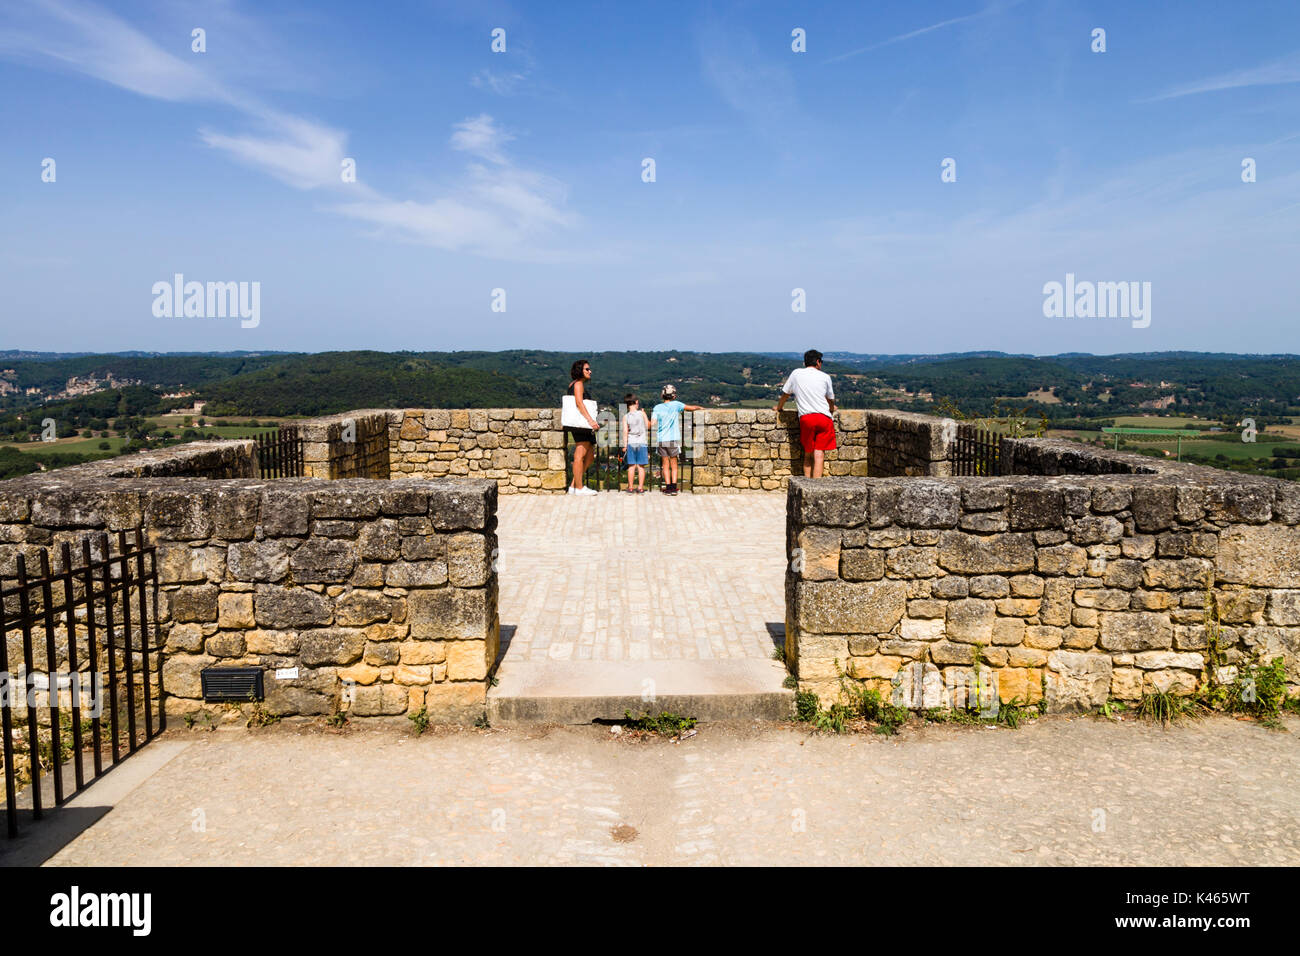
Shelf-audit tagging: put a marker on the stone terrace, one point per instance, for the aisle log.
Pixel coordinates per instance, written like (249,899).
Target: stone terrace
(1079,574)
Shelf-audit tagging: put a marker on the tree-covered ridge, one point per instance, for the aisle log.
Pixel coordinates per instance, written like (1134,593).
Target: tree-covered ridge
(1062,387)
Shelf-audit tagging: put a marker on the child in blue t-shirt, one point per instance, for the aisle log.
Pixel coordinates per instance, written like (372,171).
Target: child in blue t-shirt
(666,424)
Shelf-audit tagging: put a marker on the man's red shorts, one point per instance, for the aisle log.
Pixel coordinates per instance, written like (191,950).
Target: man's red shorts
(816,432)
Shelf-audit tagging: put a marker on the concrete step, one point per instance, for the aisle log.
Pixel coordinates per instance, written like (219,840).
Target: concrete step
(578,692)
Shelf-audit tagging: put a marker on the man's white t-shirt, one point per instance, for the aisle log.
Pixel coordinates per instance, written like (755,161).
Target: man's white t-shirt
(811,387)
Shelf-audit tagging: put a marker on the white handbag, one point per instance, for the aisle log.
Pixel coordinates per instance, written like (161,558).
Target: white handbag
(570,417)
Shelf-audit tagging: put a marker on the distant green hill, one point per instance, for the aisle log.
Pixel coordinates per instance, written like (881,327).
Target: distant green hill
(235,384)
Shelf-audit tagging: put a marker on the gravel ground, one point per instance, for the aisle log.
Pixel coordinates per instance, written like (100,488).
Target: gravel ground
(1056,792)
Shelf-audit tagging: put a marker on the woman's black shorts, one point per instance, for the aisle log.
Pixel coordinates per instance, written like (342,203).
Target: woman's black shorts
(581,434)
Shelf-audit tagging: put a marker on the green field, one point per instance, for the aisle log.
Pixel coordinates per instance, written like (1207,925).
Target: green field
(1162,421)
(172,423)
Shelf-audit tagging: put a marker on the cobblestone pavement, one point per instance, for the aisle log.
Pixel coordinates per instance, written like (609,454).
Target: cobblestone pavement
(1057,791)
(621,577)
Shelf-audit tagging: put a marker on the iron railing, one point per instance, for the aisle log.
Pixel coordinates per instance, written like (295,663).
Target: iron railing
(610,471)
(977,452)
(280,453)
(85,617)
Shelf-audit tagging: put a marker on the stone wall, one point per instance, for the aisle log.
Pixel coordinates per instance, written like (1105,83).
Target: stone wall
(1036,456)
(908,443)
(382,594)
(1081,587)
(735,449)
(351,445)
(522,449)
(200,459)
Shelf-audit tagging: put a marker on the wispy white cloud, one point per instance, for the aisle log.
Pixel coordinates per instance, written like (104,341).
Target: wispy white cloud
(497,210)
(502,84)
(481,137)
(991,10)
(1286,70)
(297,152)
(748,82)
(85,39)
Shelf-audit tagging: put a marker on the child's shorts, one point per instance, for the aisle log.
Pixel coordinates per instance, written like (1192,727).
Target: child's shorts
(638,455)
(670,449)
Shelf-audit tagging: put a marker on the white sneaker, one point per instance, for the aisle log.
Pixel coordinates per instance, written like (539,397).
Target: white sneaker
(584,491)
(572,490)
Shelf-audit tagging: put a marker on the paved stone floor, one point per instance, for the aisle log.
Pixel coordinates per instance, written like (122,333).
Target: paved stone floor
(1057,791)
(621,577)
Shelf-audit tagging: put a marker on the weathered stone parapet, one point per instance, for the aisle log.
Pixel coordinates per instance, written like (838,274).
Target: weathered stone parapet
(909,443)
(1080,587)
(351,445)
(199,459)
(382,595)
(521,449)
(1039,456)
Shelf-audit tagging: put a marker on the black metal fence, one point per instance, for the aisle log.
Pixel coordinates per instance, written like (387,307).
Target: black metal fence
(977,452)
(89,630)
(280,453)
(610,471)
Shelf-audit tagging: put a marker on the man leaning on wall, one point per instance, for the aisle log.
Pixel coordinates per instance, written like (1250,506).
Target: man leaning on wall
(815,398)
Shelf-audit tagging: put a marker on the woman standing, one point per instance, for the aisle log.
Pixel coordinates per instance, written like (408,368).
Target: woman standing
(584,449)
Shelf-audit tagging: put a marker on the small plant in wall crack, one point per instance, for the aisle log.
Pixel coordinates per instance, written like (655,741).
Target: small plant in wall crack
(419,720)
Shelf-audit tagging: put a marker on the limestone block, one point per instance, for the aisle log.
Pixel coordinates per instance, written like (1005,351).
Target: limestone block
(1022,684)
(1033,508)
(185,638)
(331,646)
(362,673)
(1264,556)
(862,564)
(1170,681)
(819,554)
(450,613)
(1044,637)
(970,621)
(321,560)
(181,674)
(415,574)
(989,586)
(290,608)
(380,700)
(842,607)
(876,666)
(235,610)
(929,504)
(194,603)
(278,643)
(1062,559)
(469,559)
(381,654)
(1177,574)
(1284,607)
(1097,530)
(1135,630)
(1158,660)
(358,608)
(912,562)
(995,554)
(1077,682)
(944,652)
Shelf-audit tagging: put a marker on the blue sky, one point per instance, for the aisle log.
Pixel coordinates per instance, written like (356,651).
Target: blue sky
(775,170)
